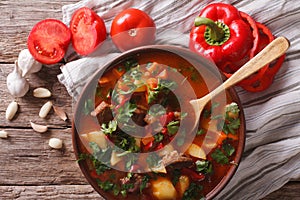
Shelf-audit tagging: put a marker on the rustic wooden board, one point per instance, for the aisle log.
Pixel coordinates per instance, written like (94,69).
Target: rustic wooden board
(18,17)
(86,192)
(78,192)
(27,159)
(30,169)
(29,106)
(290,191)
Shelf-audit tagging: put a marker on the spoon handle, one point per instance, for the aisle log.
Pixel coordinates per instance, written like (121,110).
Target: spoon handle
(272,51)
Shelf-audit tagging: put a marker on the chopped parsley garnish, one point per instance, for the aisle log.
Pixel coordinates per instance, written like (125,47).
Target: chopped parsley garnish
(173,127)
(100,158)
(158,137)
(144,183)
(164,86)
(125,112)
(109,128)
(153,160)
(204,166)
(129,63)
(88,106)
(220,157)
(200,132)
(180,141)
(192,193)
(125,142)
(175,176)
(136,73)
(105,185)
(228,148)
(130,160)
(231,125)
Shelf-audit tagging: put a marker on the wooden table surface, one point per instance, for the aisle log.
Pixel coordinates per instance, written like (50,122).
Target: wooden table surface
(29,168)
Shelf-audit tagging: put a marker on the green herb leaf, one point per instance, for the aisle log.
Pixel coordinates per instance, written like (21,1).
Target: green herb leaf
(175,176)
(129,63)
(173,127)
(152,95)
(193,192)
(153,160)
(200,132)
(180,141)
(105,185)
(126,111)
(110,128)
(204,166)
(136,73)
(144,183)
(158,137)
(130,160)
(229,126)
(100,158)
(88,106)
(183,115)
(83,156)
(220,157)
(228,148)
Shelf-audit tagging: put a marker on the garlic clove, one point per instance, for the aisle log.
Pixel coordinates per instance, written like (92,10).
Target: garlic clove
(55,143)
(60,112)
(27,63)
(38,127)
(17,85)
(11,110)
(45,109)
(41,93)
(3,134)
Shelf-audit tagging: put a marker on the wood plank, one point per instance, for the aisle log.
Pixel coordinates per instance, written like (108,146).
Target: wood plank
(27,159)
(29,168)
(18,17)
(78,192)
(29,106)
(86,192)
(290,191)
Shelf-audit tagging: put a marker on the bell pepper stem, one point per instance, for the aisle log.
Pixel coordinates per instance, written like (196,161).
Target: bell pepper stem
(217,33)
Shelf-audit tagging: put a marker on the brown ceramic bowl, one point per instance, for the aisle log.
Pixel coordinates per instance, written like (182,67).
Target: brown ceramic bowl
(207,70)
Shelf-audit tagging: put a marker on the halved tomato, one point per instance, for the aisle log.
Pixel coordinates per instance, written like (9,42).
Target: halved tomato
(48,41)
(88,30)
(132,28)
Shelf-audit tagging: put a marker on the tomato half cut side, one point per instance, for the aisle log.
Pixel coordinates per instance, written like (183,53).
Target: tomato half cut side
(88,30)
(132,28)
(48,41)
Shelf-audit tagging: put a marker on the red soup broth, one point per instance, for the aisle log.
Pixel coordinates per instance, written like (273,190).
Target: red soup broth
(139,85)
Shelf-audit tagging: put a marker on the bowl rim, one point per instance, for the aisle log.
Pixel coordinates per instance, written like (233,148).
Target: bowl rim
(242,137)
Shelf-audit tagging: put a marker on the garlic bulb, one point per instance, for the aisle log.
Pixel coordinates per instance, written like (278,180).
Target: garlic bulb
(17,85)
(27,64)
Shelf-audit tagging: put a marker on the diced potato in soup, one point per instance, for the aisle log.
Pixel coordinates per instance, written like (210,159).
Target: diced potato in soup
(163,189)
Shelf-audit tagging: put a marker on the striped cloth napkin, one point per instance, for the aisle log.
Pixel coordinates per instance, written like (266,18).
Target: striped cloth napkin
(272,152)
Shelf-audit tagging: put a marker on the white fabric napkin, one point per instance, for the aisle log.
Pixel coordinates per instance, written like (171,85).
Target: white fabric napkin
(272,152)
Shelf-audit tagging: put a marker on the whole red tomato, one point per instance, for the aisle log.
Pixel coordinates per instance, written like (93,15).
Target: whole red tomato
(132,28)
(48,41)
(88,30)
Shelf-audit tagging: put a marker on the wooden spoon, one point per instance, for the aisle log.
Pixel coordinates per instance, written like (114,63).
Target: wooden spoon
(272,51)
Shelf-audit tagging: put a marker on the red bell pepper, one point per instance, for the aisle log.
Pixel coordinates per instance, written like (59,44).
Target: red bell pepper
(194,175)
(230,44)
(221,34)
(256,47)
(266,75)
